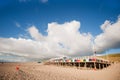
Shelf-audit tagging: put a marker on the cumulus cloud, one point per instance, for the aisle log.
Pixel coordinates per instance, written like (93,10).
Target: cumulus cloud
(105,25)
(73,42)
(21,47)
(35,34)
(62,40)
(109,39)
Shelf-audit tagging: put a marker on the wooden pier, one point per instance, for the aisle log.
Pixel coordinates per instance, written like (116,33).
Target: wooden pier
(88,62)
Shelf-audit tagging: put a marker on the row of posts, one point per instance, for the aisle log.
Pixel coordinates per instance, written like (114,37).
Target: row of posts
(88,65)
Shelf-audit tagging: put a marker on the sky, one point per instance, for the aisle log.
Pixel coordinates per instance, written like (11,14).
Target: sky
(38,29)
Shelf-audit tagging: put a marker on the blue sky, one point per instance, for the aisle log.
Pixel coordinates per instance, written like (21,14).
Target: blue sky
(91,14)
(16,16)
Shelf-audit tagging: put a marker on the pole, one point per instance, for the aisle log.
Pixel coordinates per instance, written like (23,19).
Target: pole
(95,60)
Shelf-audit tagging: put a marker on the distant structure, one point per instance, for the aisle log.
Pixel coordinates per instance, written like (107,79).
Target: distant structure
(89,62)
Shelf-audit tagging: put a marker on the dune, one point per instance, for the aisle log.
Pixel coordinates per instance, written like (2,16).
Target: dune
(114,57)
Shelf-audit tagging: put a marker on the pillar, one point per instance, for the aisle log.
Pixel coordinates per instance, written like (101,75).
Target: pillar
(103,65)
(106,65)
(73,64)
(79,64)
(85,65)
(90,66)
(99,66)
(94,65)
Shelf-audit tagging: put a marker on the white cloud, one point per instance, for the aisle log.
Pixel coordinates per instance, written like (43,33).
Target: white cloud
(17,24)
(73,42)
(62,40)
(105,25)
(21,47)
(24,0)
(35,33)
(44,1)
(109,39)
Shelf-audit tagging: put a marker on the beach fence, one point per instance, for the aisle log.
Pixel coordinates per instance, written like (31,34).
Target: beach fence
(88,62)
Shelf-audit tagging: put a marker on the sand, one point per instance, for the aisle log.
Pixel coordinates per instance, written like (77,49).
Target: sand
(39,71)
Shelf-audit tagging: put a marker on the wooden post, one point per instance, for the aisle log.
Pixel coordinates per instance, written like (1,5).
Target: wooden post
(106,65)
(79,64)
(99,66)
(63,63)
(69,64)
(85,64)
(90,66)
(95,60)
(94,65)
(103,65)
(73,64)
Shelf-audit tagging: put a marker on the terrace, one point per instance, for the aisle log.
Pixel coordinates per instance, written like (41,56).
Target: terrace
(88,62)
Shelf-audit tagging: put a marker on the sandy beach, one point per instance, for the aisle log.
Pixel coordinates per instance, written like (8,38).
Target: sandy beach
(39,71)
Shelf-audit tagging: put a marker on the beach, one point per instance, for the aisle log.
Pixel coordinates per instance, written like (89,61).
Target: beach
(39,71)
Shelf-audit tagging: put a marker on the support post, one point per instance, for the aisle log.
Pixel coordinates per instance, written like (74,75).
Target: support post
(94,65)
(79,64)
(99,66)
(85,64)
(103,65)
